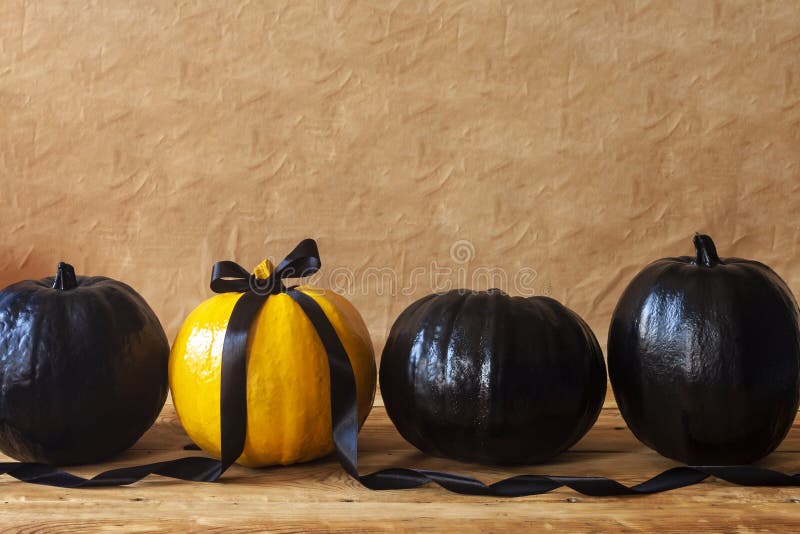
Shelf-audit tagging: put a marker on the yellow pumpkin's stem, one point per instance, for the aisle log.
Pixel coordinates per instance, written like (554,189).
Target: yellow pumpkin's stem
(264,269)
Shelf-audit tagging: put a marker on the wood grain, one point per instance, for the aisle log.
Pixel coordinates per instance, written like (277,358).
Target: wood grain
(320,496)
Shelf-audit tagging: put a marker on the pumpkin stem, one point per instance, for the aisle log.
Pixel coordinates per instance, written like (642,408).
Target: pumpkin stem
(65,277)
(706,251)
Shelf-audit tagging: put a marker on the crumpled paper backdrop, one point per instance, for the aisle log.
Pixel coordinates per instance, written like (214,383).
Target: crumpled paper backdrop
(572,142)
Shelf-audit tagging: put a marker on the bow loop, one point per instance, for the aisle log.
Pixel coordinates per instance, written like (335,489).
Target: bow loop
(301,262)
(230,277)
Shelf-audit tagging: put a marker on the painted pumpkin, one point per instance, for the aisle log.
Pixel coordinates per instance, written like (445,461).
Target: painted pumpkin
(288,383)
(83,368)
(704,357)
(482,376)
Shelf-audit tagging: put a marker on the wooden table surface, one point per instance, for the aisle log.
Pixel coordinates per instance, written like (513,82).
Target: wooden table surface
(320,495)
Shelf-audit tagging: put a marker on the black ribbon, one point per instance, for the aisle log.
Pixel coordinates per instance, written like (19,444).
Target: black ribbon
(304,261)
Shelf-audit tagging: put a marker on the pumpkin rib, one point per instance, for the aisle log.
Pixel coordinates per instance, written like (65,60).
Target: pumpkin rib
(593,406)
(396,337)
(355,333)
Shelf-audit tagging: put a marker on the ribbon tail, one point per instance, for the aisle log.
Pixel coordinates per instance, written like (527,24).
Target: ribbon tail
(192,468)
(344,401)
(233,394)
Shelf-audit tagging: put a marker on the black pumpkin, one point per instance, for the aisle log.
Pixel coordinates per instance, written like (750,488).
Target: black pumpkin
(485,377)
(704,357)
(83,368)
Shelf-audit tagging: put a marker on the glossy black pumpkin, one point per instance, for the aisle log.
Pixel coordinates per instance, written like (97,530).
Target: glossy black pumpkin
(704,357)
(83,368)
(481,376)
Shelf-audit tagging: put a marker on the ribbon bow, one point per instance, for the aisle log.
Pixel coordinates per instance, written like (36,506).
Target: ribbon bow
(230,277)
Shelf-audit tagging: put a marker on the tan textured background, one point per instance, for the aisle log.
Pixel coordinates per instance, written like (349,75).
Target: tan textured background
(582,140)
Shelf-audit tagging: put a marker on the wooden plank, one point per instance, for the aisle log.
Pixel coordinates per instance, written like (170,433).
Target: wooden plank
(320,495)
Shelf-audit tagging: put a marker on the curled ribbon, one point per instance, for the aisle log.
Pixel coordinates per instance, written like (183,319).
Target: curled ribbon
(303,261)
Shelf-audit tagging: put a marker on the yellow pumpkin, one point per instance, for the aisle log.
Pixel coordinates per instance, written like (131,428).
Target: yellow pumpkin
(288,386)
